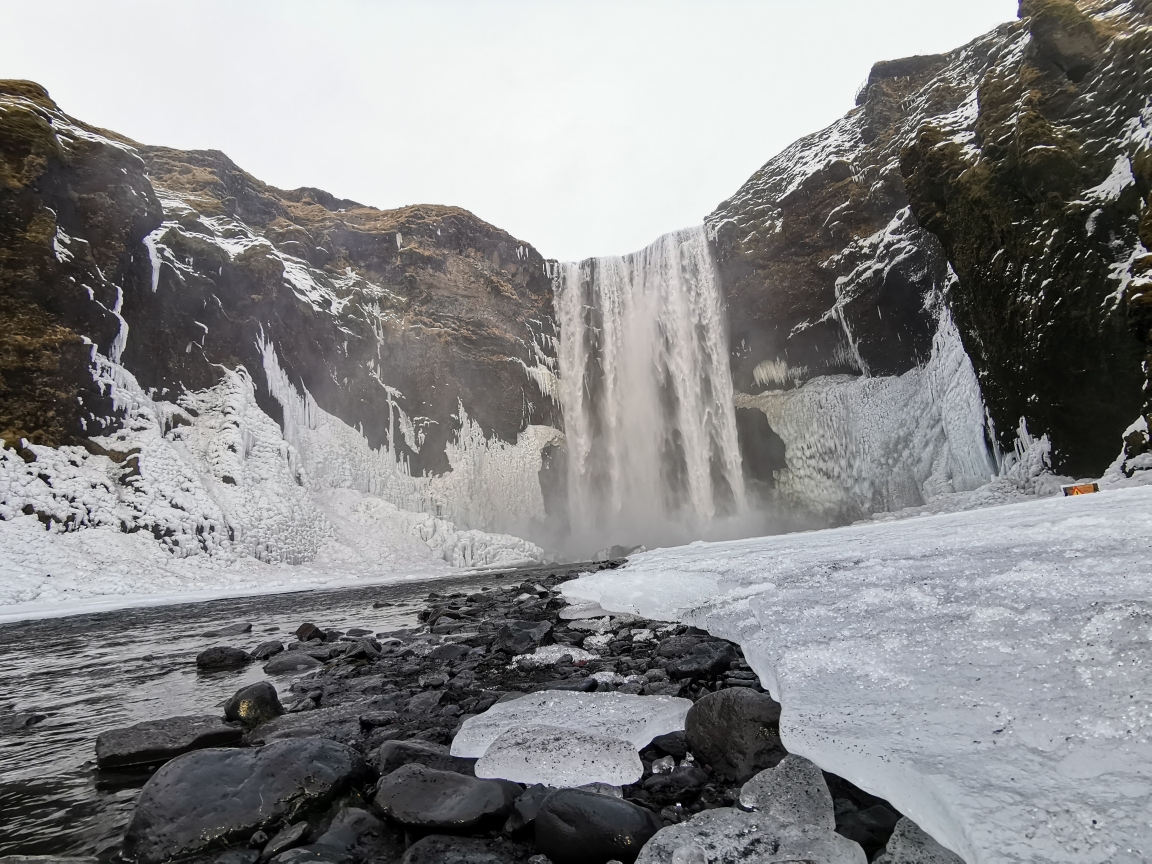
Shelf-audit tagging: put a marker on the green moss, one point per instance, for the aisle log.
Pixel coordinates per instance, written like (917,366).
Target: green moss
(27,144)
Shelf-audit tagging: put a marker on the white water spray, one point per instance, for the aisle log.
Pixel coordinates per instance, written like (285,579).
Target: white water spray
(647,395)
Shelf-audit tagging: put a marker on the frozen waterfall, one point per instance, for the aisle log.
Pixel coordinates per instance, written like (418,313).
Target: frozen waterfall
(647,395)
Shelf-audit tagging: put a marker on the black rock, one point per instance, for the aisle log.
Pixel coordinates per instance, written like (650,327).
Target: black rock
(155,741)
(441,849)
(526,807)
(705,660)
(520,637)
(674,744)
(449,652)
(870,828)
(266,649)
(210,797)
(222,657)
(358,631)
(237,856)
(677,646)
(255,704)
(735,732)
(308,632)
(231,630)
(23,720)
(424,703)
(291,661)
(285,839)
(354,835)
(575,826)
(579,685)
(422,797)
(397,754)
(691,777)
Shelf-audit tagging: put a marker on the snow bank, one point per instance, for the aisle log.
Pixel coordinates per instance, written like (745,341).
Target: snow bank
(985,671)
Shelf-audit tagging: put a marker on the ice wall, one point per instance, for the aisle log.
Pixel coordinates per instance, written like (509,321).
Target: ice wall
(860,445)
(647,394)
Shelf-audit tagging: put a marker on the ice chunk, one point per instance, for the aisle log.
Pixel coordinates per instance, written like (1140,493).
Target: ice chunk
(793,792)
(985,671)
(547,655)
(731,835)
(560,757)
(582,612)
(910,845)
(637,719)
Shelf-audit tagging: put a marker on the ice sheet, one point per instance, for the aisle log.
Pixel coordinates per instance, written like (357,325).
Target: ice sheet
(985,671)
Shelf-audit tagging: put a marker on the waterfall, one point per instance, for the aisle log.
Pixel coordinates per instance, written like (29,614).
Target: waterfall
(646,390)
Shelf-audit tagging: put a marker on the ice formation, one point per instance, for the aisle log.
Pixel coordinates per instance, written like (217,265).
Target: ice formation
(547,655)
(725,835)
(647,394)
(985,671)
(861,445)
(559,757)
(637,719)
(793,792)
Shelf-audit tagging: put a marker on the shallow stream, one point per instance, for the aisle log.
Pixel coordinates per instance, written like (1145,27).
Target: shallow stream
(89,673)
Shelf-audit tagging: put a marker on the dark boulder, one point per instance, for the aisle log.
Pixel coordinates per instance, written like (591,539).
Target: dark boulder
(267,649)
(871,828)
(450,652)
(422,797)
(255,704)
(231,630)
(705,660)
(440,849)
(155,741)
(674,744)
(285,839)
(308,632)
(291,661)
(397,754)
(213,797)
(691,777)
(222,657)
(735,732)
(521,637)
(526,807)
(354,835)
(575,826)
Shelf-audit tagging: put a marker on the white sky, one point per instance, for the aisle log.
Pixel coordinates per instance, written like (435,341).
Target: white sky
(585,128)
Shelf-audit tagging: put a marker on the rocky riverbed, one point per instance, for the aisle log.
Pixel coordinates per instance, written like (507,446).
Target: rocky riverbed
(509,726)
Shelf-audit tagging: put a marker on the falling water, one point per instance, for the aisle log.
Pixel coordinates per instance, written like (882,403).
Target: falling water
(647,395)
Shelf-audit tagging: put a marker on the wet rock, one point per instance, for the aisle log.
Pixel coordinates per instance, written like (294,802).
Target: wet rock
(210,797)
(267,649)
(285,839)
(255,704)
(443,800)
(735,732)
(231,630)
(706,660)
(726,834)
(871,828)
(222,657)
(357,632)
(688,777)
(354,835)
(448,653)
(291,661)
(793,792)
(235,856)
(424,703)
(155,741)
(363,649)
(578,827)
(910,845)
(308,632)
(441,849)
(525,808)
(396,754)
(22,720)
(677,646)
(674,744)
(520,637)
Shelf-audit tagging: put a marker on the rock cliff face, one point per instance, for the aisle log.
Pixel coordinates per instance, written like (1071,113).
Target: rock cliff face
(1006,182)
(177,264)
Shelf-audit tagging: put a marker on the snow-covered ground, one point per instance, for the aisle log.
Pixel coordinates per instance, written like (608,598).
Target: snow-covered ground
(987,671)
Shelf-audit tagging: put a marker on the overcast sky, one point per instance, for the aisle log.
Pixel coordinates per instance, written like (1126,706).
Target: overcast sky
(584,127)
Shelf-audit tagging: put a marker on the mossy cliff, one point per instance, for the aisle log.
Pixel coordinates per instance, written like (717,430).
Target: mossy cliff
(1042,210)
(1008,180)
(200,259)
